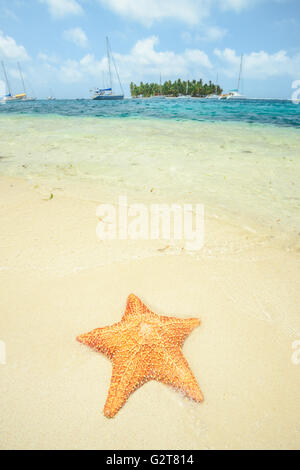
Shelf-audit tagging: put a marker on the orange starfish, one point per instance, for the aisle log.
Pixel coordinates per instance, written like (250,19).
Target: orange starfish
(144,346)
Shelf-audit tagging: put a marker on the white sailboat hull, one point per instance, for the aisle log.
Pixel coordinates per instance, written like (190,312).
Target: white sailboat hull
(107,97)
(233,99)
(10,99)
(232,96)
(237,97)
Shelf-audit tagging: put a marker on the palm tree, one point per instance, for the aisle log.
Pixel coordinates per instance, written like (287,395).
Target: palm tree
(178,87)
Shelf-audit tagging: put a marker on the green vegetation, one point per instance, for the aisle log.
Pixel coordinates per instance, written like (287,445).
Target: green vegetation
(176,88)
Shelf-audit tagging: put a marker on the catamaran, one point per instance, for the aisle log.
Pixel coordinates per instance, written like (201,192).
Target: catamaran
(107,94)
(234,94)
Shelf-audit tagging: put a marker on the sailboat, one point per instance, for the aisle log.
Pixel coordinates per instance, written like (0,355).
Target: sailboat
(107,94)
(9,96)
(160,94)
(185,96)
(51,97)
(23,95)
(234,94)
(214,96)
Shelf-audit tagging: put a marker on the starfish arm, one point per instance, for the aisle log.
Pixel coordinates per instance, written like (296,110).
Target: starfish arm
(104,340)
(126,378)
(134,308)
(173,369)
(177,329)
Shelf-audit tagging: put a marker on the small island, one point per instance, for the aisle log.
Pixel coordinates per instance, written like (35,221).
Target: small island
(179,87)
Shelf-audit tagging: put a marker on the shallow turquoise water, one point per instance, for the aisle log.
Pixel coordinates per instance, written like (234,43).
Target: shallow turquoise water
(238,158)
(277,112)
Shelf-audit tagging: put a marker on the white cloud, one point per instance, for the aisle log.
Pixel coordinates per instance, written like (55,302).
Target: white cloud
(73,71)
(227,55)
(9,49)
(260,65)
(187,11)
(77,36)
(212,33)
(62,8)
(70,72)
(148,11)
(145,60)
(142,61)
(206,33)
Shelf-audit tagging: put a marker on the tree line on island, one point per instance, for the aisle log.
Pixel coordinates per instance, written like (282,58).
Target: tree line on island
(177,88)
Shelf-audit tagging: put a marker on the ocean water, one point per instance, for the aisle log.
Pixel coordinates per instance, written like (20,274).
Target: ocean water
(240,159)
(278,112)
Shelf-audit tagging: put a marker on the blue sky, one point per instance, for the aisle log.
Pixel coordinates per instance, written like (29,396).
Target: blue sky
(61,43)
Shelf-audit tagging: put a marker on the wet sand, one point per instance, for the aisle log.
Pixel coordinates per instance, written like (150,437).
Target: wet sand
(57,280)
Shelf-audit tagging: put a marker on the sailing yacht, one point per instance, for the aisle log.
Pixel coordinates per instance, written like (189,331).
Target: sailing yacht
(9,96)
(107,94)
(214,96)
(234,94)
(51,97)
(185,96)
(23,95)
(159,95)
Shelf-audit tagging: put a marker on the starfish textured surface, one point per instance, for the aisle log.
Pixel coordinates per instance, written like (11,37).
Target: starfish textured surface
(144,346)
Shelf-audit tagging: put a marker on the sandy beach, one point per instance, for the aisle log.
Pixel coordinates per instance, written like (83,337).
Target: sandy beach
(59,280)
(149,227)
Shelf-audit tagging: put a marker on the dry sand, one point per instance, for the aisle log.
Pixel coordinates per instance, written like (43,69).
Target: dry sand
(58,280)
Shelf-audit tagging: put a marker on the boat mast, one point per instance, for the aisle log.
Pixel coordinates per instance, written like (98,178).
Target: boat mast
(240,74)
(108,59)
(22,78)
(116,69)
(6,79)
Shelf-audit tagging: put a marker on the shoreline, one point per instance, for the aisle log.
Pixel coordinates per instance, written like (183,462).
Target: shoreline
(244,174)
